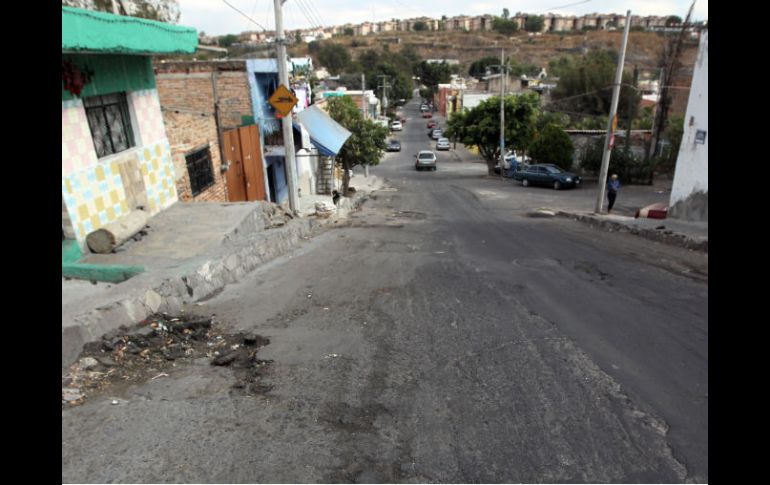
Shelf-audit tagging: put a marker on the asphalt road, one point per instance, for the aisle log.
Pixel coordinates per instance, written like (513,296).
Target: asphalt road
(443,337)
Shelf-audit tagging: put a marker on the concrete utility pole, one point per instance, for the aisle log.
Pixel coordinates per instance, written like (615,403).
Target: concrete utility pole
(288,132)
(363,112)
(502,112)
(384,86)
(610,123)
(363,99)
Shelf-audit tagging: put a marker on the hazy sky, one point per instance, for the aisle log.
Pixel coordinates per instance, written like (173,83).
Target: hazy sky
(215,17)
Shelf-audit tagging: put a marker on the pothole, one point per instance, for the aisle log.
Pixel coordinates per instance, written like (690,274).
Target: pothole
(154,347)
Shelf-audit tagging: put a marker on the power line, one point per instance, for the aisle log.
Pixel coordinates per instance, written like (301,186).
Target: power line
(307,14)
(234,8)
(316,13)
(565,6)
(304,13)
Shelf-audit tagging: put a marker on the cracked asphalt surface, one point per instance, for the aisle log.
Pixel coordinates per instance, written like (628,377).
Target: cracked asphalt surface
(442,337)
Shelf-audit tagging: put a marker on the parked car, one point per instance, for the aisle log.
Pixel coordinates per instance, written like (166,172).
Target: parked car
(394,145)
(424,107)
(443,144)
(436,134)
(396,126)
(425,159)
(432,124)
(427,114)
(548,175)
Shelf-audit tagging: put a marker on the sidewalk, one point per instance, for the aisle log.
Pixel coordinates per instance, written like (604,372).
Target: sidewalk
(191,251)
(686,234)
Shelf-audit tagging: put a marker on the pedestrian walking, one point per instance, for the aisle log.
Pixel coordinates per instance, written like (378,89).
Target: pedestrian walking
(613,185)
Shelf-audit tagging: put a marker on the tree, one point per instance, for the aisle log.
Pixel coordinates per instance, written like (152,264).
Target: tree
(505,26)
(367,140)
(534,23)
(556,67)
(553,145)
(297,37)
(479,68)
(348,31)
(481,126)
(420,26)
(585,86)
(506,13)
(630,168)
(673,20)
(432,74)
(227,40)
(334,57)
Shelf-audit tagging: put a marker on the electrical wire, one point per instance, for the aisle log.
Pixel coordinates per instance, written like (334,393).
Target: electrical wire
(251,19)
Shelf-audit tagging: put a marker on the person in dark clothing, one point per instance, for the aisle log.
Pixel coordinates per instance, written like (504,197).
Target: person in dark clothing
(613,185)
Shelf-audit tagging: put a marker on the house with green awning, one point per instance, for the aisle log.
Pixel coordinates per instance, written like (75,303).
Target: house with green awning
(115,152)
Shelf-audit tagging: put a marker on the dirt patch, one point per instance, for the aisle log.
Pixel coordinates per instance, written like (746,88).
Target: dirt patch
(156,345)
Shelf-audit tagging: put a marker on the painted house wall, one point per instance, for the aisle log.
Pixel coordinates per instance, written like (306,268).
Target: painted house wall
(96,192)
(263,80)
(689,192)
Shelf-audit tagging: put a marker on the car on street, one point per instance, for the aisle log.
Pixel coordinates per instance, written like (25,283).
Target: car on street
(443,144)
(396,126)
(424,107)
(548,175)
(432,124)
(427,114)
(394,145)
(425,159)
(436,134)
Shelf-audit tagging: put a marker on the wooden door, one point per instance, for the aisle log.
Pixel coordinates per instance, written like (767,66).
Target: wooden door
(236,177)
(252,162)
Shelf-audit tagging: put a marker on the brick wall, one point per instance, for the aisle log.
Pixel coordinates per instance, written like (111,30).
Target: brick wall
(186,94)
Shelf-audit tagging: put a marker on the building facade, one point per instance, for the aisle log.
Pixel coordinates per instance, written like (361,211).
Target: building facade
(689,192)
(116,156)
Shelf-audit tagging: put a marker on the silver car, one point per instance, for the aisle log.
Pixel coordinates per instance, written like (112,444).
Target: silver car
(425,159)
(443,144)
(436,134)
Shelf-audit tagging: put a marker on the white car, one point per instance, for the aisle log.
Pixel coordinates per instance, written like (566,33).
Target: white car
(396,126)
(443,144)
(425,159)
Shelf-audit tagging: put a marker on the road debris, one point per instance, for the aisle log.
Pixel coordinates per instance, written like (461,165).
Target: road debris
(142,352)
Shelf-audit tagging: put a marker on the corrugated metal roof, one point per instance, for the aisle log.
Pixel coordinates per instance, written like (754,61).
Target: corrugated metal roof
(99,32)
(326,134)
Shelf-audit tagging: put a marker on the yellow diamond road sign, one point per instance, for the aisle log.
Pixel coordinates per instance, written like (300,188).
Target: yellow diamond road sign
(282,100)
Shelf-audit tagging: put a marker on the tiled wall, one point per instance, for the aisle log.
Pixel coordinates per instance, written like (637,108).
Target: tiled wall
(158,174)
(93,190)
(148,116)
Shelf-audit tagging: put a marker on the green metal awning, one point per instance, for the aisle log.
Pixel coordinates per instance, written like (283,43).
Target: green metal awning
(99,32)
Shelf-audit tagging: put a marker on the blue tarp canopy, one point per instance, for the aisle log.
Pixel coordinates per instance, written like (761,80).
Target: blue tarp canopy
(325,134)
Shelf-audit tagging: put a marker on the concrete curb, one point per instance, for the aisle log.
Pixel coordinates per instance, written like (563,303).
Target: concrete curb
(206,276)
(666,236)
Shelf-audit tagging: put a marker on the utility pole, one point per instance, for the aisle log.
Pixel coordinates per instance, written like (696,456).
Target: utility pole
(502,111)
(363,112)
(611,122)
(288,132)
(384,86)
(363,100)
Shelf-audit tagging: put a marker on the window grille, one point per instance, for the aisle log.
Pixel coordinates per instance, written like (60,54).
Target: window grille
(110,123)
(199,167)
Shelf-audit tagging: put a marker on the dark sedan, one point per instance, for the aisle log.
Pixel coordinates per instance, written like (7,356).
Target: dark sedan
(548,175)
(394,146)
